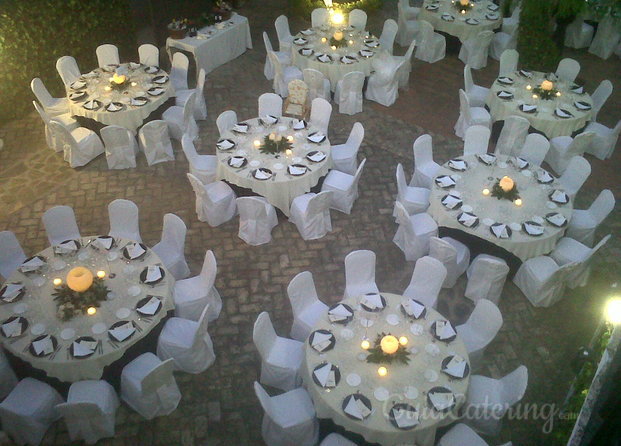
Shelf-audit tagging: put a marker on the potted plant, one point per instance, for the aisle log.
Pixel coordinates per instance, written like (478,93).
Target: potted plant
(177,28)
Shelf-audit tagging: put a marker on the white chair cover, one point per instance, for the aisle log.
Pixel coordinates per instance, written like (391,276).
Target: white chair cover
(358,19)
(270,104)
(606,38)
(305,304)
(320,114)
(8,380)
(413,199)
(461,435)
(80,146)
(568,251)
(425,168)
(181,120)
(578,34)
(53,106)
(226,121)
(310,213)
(289,418)
(187,343)
(90,411)
(431,45)
(512,136)
(194,294)
(284,34)
(56,142)
(280,357)
(568,69)
(474,51)
(200,106)
(360,273)
(605,139)
(476,94)
(426,281)
(335,439)
(387,37)
(542,281)
(283,75)
(203,167)
(149,54)
(501,42)
(121,147)
(179,71)
(564,148)
(345,155)
(383,84)
(68,70)
(149,387)
(155,142)
(577,172)
(215,202)
(486,278)
(319,16)
(510,24)
(584,223)
(408,25)
(257,218)
(283,57)
(29,410)
(454,255)
(107,54)
(535,149)
(479,330)
(318,84)
(414,232)
(170,248)
(124,219)
(476,140)
(508,62)
(348,93)
(403,74)
(599,97)
(344,188)
(11,254)
(60,224)
(469,115)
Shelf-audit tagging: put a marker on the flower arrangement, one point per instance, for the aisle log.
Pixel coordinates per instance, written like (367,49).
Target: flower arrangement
(337,40)
(388,349)
(546,90)
(505,188)
(177,28)
(462,6)
(273,144)
(72,303)
(119,81)
(222,11)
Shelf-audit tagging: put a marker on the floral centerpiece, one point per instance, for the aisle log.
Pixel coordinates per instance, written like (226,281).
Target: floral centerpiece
(337,40)
(462,6)
(505,188)
(273,144)
(119,81)
(222,11)
(80,294)
(388,349)
(546,90)
(177,28)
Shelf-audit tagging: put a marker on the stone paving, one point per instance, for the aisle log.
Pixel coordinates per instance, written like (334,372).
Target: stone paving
(254,279)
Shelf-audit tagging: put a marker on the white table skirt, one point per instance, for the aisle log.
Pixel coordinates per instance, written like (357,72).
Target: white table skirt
(282,188)
(535,203)
(41,309)
(345,355)
(544,120)
(220,45)
(459,28)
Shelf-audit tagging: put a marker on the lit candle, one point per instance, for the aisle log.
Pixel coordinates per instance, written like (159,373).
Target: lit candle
(365,344)
(324,40)
(506,183)
(58,281)
(535,96)
(272,137)
(107,88)
(462,11)
(337,17)
(529,87)
(486,191)
(101,274)
(338,35)
(547,85)
(351,42)
(288,152)
(91,310)
(558,93)
(464,2)
(518,202)
(382,371)
(134,84)
(389,344)
(403,340)
(290,138)
(256,143)
(333,47)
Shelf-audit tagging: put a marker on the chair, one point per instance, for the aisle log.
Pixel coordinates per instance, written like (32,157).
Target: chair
(564,148)
(510,24)
(579,34)
(281,358)
(52,106)
(387,37)
(226,121)
(320,114)
(474,51)
(296,103)
(270,104)
(68,70)
(257,218)
(149,387)
(599,97)
(215,202)
(283,57)
(187,343)
(8,380)
(60,224)
(179,71)
(305,304)
(56,142)
(431,45)
(180,120)
(318,84)
(508,62)
(502,42)
(80,146)
(29,410)
(383,84)
(11,255)
(605,139)
(469,115)
(535,149)
(310,213)
(425,168)
(124,220)
(120,146)
(90,411)
(200,106)
(283,75)
(344,155)
(606,38)
(479,330)
(344,188)
(542,281)
(568,251)
(476,94)
(335,439)
(289,418)
(577,172)
(476,140)
(426,281)
(414,232)
(414,199)
(194,294)
(358,19)
(202,167)
(408,25)
(348,93)
(453,254)
(584,222)
(170,248)
(568,69)
(284,34)
(149,55)
(461,435)
(489,399)
(155,142)
(486,278)
(513,135)
(319,17)
(360,273)
(403,74)
(107,54)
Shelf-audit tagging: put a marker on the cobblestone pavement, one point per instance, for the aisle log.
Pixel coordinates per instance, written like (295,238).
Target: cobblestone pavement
(254,279)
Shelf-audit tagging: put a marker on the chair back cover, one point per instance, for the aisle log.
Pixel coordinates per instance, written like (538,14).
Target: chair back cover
(606,38)
(11,255)
(68,69)
(302,292)
(508,62)
(476,140)
(149,54)
(423,150)
(41,93)
(602,206)
(387,38)
(577,172)
(263,334)
(427,278)
(267,42)
(360,267)
(402,185)
(512,135)
(254,225)
(315,80)
(513,385)
(201,328)
(173,234)
(179,71)
(44,115)
(477,48)
(120,145)
(60,224)
(155,142)
(443,251)
(535,148)
(350,93)
(159,376)
(107,54)
(358,19)
(124,219)
(283,32)
(270,104)
(319,16)
(320,114)
(425,34)
(486,279)
(599,97)
(226,121)
(485,319)
(568,69)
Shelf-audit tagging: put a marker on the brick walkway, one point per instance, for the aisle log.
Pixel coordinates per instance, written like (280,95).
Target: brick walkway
(254,279)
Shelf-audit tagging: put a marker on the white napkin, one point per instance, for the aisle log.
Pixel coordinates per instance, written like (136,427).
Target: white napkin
(528,107)
(582,105)
(366,53)
(112,107)
(160,80)
(467,219)
(533,229)
(241,128)
(269,119)
(153,273)
(316,137)
(300,41)
(458,164)
(299,124)
(325,375)
(372,301)
(43,346)
(308,32)
(505,94)
(237,161)
(11,291)
(557,219)
(445,181)
(324,58)
(413,308)
(487,158)
(65,247)
(134,65)
(316,156)
(492,7)
(103,242)
(353,408)
(472,21)
(295,170)
(13,328)
(151,306)
(562,113)
(456,366)
(444,330)
(138,102)
(90,104)
(492,16)
(347,60)
(405,418)
(544,176)
(261,174)
(448,17)
(431,7)
(559,196)
(578,90)
(321,341)
(83,348)
(78,84)
(225,144)
(521,162)
(152,69)
(135,250)
(156,91)
(500,231)
(32,265)
(122,332)
(338,313)
(441,400)
(505,80)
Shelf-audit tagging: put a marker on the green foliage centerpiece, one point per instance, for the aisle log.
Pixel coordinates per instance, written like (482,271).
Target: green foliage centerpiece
(81,294)
(388,349)
(546,90)
(462,6)
(337,40)
(505,188)
(273,144)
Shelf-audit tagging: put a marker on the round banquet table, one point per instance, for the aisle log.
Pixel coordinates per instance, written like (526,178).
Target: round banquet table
(308,51)
(128,107)
(484,16)
(537,205)
(405,383)
(560,116)
(124,303)
(281,187)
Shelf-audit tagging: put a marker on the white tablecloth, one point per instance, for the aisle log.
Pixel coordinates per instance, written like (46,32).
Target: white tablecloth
(215,45)
(39,309)
(130,117)
(544,120)
(336,69)
(282,188)
(535,203)
(349,357)
(458,27)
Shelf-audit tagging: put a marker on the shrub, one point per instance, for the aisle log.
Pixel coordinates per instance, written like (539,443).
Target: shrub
(303,8)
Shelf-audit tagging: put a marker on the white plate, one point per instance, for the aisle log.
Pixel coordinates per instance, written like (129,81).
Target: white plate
(502,164)
(455,193)
(128,270)
(113,255)
(381,394)
(466,208)
(366,322)
(84,255)
(393,319)
(67,334)
(278,166)
(411,392)
(353,379)
(551,205)
(347,334)
(254,163)
(487,221)
(20,308)
(515,226)
(134,290)
(282,128)
(111,295)
(537,219)
(37,329)
(38,281)
(122,313)
(431,375)
(416,329)
(456,176)
(527,173)
(413,350)
(58,264)
(362,356)
(432,349)
(297,159)
(99,328)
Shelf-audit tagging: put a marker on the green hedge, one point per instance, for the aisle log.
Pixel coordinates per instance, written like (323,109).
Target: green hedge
(303,8)
(35,33)
(538,51)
